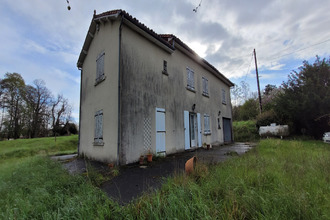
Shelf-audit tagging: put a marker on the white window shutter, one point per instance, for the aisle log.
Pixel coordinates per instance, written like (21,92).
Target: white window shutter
(186,131)
(199,130)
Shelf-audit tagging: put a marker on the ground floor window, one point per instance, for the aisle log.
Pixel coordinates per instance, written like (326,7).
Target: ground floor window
(207,129)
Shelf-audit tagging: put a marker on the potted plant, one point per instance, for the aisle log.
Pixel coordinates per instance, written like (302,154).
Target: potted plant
(149,156)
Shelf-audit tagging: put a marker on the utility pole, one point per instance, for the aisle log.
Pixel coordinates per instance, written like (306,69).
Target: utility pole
(255,60)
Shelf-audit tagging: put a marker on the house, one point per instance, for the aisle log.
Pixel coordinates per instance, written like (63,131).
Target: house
(144,92)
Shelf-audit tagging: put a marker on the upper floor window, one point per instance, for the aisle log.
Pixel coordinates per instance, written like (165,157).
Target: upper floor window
(100,68)
(98,130)
(190,79)
(205,86)
(207,129)
(224,97)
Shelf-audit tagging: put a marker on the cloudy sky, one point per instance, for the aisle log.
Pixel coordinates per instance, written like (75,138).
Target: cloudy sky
(42,39)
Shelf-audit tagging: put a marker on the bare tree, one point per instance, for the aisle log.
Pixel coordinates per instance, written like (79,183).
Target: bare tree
(37,99)
(60,114)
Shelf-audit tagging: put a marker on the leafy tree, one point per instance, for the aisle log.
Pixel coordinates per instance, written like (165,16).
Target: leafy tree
(13,91)
(269,88)
(305,100)
(269,97)
(247,111)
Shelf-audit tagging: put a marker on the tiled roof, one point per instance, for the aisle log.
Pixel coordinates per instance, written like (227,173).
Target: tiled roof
(134,21)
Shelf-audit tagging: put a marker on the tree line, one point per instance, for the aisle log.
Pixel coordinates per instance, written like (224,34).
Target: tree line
(31,111)
(302,102)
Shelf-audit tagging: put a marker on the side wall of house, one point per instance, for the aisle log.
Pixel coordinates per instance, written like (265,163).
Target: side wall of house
(102,97)
(145,88)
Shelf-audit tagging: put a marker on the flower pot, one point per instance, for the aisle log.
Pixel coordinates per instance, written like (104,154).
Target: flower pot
(149,157)
(190,165)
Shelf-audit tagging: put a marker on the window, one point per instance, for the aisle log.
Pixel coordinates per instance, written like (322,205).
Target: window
(205,86)
(224,97)
(165,67)
(207,129)
(98,133)
(190,79)
(100,68)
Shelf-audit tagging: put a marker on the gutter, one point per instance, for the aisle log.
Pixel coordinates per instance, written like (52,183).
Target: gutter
(119,93)
(81,77)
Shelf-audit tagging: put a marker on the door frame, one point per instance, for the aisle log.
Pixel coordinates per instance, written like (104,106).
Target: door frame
(197,127)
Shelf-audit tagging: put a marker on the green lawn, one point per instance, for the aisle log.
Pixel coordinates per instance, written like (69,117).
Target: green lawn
(30,147)
(278,179)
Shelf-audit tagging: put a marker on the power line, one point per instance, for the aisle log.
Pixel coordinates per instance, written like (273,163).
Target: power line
(298,50)
(249,67)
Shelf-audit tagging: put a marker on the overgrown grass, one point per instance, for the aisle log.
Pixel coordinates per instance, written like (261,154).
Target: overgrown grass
(45,146)
(245,131)
(277,180)
(39,188)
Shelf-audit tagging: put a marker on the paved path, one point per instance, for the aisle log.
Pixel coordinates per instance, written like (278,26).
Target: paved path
(133,180)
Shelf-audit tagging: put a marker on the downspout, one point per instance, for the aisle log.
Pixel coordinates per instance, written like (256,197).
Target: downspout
(119,91)
(79,135)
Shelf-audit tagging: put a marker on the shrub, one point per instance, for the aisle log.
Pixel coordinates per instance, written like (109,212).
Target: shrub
(266,118)
(245,131)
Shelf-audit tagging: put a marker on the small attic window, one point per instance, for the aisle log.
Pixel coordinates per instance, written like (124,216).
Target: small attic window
(165,67)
